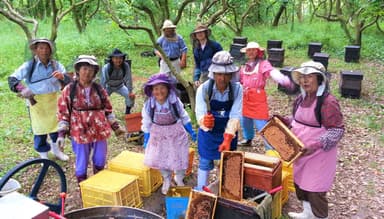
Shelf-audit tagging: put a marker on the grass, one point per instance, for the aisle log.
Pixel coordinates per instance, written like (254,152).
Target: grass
(102,36)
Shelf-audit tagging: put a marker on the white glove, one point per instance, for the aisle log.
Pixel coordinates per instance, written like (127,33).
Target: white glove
(60,142)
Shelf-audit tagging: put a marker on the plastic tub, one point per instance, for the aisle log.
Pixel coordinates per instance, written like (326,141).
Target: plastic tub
(11,186)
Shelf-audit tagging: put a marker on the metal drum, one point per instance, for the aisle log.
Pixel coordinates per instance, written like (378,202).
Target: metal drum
(111,212)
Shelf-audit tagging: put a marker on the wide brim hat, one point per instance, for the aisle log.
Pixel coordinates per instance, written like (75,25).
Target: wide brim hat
(310,67)
(91,60)
(33,43)
(159,78)
(252,45)
(117,53)
(168,24)
(222,62)
(201,28)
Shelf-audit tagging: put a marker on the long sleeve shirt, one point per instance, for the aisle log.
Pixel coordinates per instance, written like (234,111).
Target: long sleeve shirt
(41,80)
(203,57)
(201,105)
(167,105)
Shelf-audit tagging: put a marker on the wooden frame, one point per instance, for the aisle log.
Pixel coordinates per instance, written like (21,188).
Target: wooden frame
(231,175)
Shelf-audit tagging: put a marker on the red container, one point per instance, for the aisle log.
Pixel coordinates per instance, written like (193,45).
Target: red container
(133,122)
(262,172)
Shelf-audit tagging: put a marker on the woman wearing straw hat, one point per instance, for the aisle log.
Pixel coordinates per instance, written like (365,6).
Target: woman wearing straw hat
(203,51)
(44,78)
(116,77)
(174,48)
(85,114)
(318,122)
(253,77)
(218,112)
(165,125)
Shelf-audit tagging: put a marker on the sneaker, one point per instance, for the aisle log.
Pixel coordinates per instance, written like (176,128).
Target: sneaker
(245,142)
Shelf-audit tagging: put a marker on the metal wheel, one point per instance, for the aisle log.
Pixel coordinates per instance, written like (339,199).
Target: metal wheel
(45,164)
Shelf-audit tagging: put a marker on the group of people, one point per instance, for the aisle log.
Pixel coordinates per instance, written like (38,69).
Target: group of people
(228,98)
(77,107)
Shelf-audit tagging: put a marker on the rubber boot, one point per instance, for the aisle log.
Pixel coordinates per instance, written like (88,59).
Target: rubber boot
(305,214)
(43,155)
(58,153)
(166,181)
(202,179)
(179,177)
(97,169)
(127,110)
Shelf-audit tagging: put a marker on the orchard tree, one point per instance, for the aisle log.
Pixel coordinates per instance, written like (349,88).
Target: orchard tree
(16,13)
(156,12)
(353,16)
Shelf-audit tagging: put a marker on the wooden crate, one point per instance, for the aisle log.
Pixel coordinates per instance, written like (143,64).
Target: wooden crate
(231,175)
(262,171)
(201,205)
(280,137)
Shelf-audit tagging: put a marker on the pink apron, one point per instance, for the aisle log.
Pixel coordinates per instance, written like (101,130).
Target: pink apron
(315,172)
(168,145)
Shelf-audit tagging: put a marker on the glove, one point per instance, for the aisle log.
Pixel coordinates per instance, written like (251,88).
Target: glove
(226,145)
(146,139)
(188,128)
(117,129)
(26,93)
(60,142)
(283,119)
(132,95)
(209,121)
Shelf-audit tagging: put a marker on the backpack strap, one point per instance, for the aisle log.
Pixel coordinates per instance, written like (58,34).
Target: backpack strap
(72,94)
(32,65)
(174,111)
(317,110)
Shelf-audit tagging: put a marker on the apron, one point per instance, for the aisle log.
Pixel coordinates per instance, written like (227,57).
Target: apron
(168,145)
(43,114)
(255,104)
(315,172)
(208,144)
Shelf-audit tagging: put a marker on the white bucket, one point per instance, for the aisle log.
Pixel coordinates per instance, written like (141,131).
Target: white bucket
(11,186)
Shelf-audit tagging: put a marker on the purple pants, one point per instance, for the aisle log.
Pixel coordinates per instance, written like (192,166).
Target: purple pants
(83,151)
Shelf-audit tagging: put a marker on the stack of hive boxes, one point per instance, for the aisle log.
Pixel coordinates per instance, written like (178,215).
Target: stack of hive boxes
(238,195)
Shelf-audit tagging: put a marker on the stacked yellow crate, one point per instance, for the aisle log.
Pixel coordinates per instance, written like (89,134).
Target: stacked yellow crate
(112,189)
(287,176)
(129,162)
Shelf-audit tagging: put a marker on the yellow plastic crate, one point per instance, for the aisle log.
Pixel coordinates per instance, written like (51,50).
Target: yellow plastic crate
(276,205)
(133,163)
(285,191)
(111,188)
(286,168)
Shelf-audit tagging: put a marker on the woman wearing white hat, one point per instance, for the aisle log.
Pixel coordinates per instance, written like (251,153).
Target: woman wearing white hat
(85,114)
(318,122)
(218,111)
(253,77)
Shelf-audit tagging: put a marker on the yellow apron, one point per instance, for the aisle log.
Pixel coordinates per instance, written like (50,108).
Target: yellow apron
(43,113)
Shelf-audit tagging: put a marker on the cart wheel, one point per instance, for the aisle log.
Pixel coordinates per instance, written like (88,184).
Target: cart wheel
(56,207)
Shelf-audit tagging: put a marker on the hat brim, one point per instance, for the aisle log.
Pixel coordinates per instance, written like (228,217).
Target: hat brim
(148,86)
(244,50)
(208,33)
(117,55)
(306,70)
(223,68)
(33,44)
(88,61)
(169,27)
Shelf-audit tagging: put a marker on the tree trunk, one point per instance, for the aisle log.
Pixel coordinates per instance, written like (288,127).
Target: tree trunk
(283,7)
